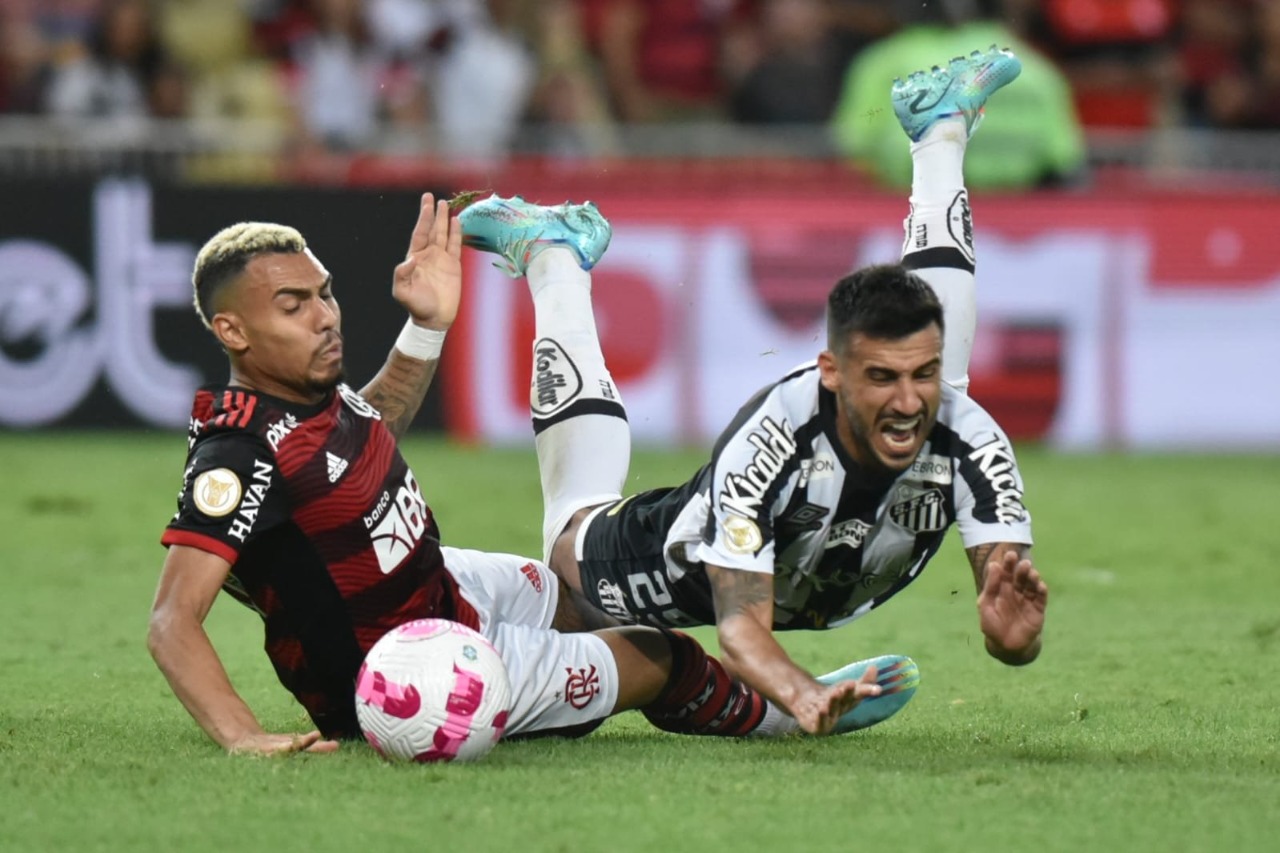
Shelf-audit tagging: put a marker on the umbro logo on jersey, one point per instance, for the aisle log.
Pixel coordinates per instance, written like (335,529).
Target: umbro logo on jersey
(336,465)
(806,517)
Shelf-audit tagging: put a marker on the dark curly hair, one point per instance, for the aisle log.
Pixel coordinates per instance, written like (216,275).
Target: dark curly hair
(886,301)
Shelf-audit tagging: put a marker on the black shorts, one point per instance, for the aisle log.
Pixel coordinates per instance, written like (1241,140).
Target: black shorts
(624,569)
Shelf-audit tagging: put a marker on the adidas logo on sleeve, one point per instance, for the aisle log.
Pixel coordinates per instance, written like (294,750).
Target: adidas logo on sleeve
(336,465)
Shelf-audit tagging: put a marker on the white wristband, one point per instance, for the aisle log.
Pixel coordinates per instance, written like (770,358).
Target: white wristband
(417,342)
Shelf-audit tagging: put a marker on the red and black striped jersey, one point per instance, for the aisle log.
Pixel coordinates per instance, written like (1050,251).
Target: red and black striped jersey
(326,530)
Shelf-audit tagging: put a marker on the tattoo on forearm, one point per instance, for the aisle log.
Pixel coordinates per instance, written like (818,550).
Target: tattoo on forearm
(738,592)
(978,559)
(980,555)
(398,390)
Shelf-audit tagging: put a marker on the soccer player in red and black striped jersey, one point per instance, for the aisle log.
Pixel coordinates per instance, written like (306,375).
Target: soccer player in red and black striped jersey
(297,502)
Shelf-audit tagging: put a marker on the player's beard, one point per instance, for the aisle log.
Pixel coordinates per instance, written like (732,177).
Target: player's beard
(324,386)
(871,462)
(864,436)
(327,381)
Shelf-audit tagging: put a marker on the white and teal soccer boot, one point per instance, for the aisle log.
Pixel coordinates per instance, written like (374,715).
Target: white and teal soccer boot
(898,677)
(961,89)
(516,230)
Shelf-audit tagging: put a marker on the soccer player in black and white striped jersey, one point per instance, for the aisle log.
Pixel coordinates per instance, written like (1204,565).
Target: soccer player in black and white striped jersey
(833,487)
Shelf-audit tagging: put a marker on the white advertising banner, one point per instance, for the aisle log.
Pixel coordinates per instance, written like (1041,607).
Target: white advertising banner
(1102,324)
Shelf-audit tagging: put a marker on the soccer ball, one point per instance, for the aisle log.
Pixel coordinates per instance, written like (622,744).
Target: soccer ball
(433,690)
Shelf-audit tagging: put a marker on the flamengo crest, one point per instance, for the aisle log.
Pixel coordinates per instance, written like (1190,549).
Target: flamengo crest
(581,686)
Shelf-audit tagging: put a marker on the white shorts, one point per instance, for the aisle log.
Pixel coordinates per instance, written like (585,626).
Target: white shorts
(557,680)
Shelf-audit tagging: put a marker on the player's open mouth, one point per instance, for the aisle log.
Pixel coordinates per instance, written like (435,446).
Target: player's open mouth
(900,435)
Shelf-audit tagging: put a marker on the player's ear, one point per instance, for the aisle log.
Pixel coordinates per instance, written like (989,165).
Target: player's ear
(229,330)
(828,370)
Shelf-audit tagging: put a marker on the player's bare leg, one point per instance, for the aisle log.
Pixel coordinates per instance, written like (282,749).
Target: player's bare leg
(580,426)
(939,110)
(682,689)
(573,611)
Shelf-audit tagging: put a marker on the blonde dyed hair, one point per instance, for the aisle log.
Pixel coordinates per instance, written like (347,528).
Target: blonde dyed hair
(224,257)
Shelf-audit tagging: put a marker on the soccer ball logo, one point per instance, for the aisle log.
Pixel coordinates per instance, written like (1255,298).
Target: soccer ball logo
(433,690)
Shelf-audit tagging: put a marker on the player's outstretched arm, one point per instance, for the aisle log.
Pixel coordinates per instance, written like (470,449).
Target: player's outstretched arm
(1012,598)
(428,283)
(177,640)
(750,652)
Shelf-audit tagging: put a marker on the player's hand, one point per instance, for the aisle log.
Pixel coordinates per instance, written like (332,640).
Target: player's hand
(1011,607)
(265,743)
(428,282)
(818,710)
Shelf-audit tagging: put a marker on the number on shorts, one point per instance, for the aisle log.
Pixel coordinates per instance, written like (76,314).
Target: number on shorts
(656,587)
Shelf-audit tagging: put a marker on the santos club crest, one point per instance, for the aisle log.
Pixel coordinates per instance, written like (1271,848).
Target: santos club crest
(923,513)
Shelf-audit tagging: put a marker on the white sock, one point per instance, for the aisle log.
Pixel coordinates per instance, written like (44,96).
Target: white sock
(937,163)
(580,428)
(776,723)
(958,294)
(938,243)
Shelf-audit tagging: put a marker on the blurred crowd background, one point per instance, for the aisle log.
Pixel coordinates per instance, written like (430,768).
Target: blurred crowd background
(747,150)
(314,80)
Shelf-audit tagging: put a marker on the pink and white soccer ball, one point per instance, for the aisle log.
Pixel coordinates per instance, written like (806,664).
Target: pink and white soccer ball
(433,690)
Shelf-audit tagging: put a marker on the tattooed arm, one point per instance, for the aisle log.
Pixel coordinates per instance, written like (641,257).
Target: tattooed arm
(748,649)
(1011,600)
(428,283)
(399,389)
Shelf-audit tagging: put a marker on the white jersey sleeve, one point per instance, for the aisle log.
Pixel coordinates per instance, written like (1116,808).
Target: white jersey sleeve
(988,488)
(751,474)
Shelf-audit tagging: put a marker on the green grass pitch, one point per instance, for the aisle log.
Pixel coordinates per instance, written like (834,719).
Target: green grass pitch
(1151,722)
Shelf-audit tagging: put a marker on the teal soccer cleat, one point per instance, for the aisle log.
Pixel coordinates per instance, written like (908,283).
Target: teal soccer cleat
(516,230)
(898,677)
(960,89)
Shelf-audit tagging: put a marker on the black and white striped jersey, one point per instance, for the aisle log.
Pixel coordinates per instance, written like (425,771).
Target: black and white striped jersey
(780,495)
